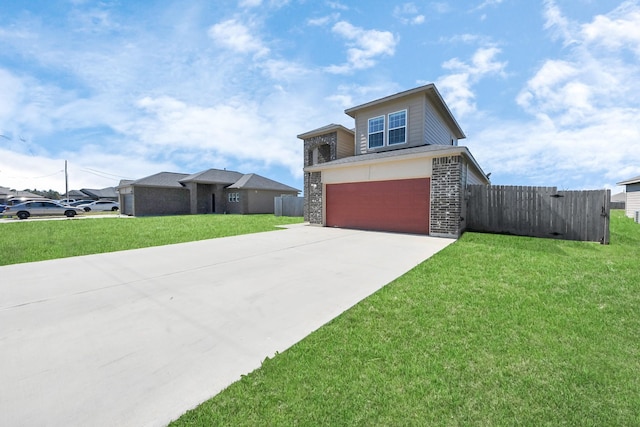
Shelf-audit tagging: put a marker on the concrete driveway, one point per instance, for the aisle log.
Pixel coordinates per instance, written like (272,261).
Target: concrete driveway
(135,338)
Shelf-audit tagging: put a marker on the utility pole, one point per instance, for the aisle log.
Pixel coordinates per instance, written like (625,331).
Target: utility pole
(66,182)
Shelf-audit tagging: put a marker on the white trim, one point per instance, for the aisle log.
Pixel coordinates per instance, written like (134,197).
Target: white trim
(382,131)
(406,126)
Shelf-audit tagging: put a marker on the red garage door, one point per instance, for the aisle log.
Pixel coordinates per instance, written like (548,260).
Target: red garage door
(401,205)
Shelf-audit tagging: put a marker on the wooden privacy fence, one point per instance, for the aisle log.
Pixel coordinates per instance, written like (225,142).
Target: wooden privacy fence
(539,212)
(288,206)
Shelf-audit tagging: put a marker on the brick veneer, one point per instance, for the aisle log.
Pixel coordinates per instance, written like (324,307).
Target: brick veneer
(446,196)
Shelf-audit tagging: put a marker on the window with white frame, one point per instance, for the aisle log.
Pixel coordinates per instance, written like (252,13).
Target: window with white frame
(397,127)
(234,197)
(376,132)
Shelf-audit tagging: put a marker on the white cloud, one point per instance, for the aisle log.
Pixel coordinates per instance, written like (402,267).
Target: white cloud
(237,129)
(365,47)
(408,13)
(249,3)
(236,36)
(457,86)
(619,30)
(337,5)
(487,3)
(323,20)
(11,89)
(554,20)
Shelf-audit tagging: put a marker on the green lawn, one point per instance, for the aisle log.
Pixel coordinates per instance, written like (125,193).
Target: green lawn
(494,331)
(30,240)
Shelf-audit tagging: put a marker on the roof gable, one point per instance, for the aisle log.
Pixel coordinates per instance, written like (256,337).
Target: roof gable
(213,176)
(254,181)
(432,95)
(161,179)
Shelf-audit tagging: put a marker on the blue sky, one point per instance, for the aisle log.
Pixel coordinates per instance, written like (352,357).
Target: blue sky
(547,92)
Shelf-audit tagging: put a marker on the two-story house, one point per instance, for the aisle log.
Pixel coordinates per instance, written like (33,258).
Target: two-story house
(400,169)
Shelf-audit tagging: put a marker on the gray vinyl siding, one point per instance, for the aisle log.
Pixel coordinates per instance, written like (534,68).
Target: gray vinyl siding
(473,178)
(633,199)
(435,130)
(346,146)
(415,106)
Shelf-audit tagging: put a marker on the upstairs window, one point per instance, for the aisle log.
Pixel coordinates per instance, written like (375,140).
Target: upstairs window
(398,127)
(376,132)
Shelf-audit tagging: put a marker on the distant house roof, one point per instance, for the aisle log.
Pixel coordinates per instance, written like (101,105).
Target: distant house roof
(25,194)
(77,194)
(633,180)
(161,179)
(431,93)
(213,176)
(229,179)
(254,181)
(108,192)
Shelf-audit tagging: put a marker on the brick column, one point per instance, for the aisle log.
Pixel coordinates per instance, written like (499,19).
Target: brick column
(327,151)
(446,197)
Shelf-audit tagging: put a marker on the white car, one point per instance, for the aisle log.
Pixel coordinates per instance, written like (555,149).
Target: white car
(100,206)
(40,208)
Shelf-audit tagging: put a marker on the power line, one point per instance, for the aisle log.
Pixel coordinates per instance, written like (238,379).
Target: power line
(103,174)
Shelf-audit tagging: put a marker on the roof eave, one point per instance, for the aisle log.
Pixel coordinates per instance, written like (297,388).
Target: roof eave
(324,130)
(459,149)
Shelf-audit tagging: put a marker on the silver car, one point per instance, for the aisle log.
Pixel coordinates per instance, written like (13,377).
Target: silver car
(40,208)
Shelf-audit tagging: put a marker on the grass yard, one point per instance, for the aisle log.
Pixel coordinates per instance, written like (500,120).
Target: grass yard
(29,240)
(494,330)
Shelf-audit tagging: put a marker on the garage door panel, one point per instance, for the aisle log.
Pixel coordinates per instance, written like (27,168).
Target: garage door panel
(399,205)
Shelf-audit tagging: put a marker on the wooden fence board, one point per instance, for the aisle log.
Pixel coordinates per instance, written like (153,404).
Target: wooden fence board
(539,212)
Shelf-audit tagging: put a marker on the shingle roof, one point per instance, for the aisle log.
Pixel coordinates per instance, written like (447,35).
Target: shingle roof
(161,179)
(403,152)
(633,180)
(391,153)
(213,176)
(254,181)
(108,192)
(324,129)
(231,179)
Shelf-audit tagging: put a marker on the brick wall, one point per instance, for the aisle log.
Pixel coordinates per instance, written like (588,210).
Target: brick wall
(446,196)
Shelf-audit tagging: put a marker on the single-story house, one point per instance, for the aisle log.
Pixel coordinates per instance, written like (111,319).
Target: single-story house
(400,169)
(632,199)
(209,191)
(618,200)
(108,193)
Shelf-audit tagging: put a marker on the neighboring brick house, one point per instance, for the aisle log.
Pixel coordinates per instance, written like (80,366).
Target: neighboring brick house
(632,196)
(209,191)
(401,168)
